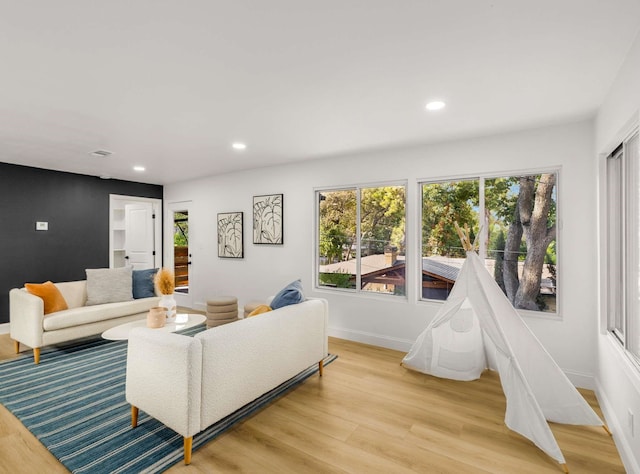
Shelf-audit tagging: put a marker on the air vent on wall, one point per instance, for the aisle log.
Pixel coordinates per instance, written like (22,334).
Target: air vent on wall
(101,153)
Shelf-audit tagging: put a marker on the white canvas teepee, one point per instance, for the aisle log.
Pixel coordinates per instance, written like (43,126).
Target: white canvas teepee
(478,328)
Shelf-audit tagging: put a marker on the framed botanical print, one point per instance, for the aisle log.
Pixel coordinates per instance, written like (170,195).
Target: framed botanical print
(267,219)
(230,235)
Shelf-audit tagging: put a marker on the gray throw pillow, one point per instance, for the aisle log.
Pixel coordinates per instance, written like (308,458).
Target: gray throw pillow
(109,285)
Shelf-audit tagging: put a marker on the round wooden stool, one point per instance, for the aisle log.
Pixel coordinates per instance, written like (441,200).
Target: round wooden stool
(221,310)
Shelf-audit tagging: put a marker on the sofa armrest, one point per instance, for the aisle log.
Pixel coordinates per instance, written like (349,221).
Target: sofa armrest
(26,314)
(164,378)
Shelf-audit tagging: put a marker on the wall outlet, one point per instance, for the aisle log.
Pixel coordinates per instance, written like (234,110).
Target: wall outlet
(630,422)
(42,226)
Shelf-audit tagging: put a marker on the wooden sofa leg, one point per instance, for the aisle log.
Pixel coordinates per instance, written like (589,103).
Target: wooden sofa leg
(16,346)
(321,367)
(36,355)
(134,416)
(188,443)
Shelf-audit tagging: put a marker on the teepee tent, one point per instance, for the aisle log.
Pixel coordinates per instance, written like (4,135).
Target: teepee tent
(478,328)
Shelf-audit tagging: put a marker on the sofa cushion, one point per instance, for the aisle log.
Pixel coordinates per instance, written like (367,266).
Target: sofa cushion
(74,292)
(109,285)
(91,314)
(290,294)
(143,286)
(51,296)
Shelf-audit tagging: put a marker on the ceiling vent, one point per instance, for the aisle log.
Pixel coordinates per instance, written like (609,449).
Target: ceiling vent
(101,153)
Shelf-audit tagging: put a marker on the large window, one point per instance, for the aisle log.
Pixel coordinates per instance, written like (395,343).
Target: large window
(361,239)
(623,245)
(517,215)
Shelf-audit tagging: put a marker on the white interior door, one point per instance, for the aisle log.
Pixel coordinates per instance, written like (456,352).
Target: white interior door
(139,235)
(135,231)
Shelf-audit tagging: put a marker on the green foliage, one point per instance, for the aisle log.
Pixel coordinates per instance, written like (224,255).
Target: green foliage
(333,240)
(337,224)
(382,221)
(382,214)
(180,230)
(551,257)
(444,204)
(337,280)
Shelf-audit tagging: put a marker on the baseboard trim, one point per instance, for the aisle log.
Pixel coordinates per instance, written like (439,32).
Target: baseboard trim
(373,339)
(4,328)
(580,379)
(626,453)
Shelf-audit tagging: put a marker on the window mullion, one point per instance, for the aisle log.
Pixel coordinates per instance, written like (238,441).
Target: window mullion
(358,240)
(483,224)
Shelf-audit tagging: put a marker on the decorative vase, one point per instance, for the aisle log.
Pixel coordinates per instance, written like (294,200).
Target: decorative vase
(156,317)
(169,303)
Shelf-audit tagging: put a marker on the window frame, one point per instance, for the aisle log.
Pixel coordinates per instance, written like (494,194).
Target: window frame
(482,252)
(357,188)
(621,318)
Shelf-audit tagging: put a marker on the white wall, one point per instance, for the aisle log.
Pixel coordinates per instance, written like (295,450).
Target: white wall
(617,380)
(388,321)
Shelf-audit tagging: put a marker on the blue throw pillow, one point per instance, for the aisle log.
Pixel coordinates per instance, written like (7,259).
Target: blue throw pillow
(143,286)
(290,294)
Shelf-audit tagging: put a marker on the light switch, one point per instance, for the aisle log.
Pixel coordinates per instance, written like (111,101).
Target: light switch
(42,226)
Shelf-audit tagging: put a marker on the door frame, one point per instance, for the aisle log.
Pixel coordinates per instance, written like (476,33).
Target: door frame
(182,299)
(118,201)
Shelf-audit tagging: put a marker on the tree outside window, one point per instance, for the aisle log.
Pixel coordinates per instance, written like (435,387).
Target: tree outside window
(518,215)
(361,241)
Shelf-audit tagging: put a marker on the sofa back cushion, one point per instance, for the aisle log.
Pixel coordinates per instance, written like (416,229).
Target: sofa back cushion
(109,285)
(74,292)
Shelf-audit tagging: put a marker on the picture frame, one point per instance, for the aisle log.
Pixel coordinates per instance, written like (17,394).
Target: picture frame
(268,216)
(230,235)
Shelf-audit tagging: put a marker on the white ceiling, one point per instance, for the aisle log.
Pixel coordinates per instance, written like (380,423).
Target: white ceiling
(170,84)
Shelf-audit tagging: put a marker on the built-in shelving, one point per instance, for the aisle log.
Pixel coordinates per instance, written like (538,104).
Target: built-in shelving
(118,236)
(120,209)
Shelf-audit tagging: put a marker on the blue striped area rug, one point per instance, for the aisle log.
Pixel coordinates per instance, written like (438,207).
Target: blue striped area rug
(74,403)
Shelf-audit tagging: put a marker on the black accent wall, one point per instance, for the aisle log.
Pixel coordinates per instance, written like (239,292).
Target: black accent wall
(77,210)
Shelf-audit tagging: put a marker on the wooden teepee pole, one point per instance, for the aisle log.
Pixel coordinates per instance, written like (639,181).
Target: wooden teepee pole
(464,236)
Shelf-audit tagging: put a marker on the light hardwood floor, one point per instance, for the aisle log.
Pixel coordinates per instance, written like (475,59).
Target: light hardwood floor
(367,414)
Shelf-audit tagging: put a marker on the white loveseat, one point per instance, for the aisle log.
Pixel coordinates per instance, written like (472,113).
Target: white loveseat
(30,326)
(189,383)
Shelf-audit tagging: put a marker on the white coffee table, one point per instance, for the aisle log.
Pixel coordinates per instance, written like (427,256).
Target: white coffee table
(183,321)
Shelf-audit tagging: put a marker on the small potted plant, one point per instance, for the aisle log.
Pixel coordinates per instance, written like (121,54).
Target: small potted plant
(165,284)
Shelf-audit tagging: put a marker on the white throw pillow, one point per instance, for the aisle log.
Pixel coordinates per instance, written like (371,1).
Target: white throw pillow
(109,285)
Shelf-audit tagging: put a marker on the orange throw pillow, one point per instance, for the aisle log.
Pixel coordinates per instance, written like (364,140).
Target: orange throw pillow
(53,299)
(263,308)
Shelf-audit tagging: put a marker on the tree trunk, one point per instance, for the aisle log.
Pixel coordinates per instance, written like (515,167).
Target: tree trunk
(534,215)
(511,251)
(498,270)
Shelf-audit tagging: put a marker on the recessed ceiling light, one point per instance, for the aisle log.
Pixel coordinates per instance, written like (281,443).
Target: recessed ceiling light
(138,168)
(238,146)
(435,105)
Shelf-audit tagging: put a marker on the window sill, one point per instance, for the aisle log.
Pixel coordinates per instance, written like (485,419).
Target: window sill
(372,295)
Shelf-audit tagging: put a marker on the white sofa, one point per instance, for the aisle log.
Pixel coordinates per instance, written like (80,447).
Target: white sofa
(189,383)
(29,325)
